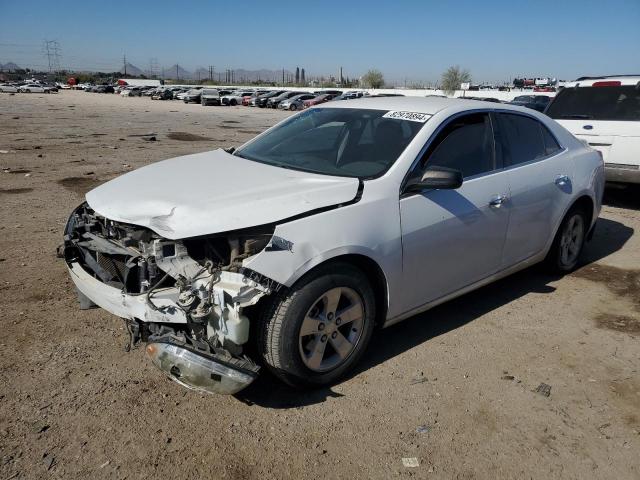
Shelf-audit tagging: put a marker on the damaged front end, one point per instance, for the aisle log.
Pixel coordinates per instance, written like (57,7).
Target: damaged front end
(185,298)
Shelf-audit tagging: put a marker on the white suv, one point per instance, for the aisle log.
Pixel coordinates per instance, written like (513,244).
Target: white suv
(605,112)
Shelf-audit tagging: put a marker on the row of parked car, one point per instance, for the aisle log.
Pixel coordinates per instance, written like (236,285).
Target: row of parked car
(28,87)
(277,98)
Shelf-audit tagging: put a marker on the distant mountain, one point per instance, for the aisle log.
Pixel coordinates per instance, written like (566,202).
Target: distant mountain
(175,72)
(131,70)
(9,67)
(201,73)
(240,75)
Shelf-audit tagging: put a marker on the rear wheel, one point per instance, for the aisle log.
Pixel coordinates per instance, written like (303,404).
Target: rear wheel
(569,241)
(319,329)
(233,103)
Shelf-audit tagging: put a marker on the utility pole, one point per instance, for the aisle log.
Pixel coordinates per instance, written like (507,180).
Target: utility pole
(177,72)
(51,50)
(124,61)
(153,67)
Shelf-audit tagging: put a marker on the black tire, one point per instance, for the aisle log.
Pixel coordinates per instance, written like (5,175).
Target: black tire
(293,107)
(233,102)
(555,261)
(278,333)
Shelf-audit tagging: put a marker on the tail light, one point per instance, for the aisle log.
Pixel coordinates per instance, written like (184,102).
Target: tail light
(607,83)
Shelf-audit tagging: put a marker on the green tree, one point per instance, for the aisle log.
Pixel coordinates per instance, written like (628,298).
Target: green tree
(373,79)
(452,78)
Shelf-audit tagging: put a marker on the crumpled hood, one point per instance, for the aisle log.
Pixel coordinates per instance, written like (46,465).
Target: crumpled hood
(214,192)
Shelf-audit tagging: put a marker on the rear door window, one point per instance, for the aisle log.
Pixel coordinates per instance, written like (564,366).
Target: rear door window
(620,103)
(524,139)
(551,145)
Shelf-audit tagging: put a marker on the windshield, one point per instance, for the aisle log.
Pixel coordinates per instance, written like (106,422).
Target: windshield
(597,103)
(524,98)
(346,142)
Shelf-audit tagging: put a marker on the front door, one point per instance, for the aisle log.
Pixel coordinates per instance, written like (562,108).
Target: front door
(453,238)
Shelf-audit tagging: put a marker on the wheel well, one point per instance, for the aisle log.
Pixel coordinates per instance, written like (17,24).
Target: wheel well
(375,275)
(585,203)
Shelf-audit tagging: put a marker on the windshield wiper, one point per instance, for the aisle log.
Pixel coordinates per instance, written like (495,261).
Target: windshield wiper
(577,116)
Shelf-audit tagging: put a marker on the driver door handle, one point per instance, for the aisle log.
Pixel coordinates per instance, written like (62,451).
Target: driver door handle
(497,200)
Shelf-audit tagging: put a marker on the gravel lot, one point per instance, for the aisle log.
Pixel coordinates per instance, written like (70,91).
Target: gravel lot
(455,387)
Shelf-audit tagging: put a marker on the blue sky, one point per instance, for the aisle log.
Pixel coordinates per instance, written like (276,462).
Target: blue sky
(415,40)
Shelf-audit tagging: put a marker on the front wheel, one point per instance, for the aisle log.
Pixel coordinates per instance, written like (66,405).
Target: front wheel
(233,103)
(319,329)
(568,243)
(293,106)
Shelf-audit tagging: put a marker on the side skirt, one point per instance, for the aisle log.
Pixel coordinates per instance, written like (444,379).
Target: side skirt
(481,283)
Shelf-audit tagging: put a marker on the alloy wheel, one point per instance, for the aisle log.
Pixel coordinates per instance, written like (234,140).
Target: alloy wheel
(331,329)
(571,240)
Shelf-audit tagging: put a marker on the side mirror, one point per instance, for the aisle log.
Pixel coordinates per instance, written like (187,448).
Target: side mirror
(435,177)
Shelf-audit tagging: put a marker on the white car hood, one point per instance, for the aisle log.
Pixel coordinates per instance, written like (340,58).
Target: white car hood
(214,192)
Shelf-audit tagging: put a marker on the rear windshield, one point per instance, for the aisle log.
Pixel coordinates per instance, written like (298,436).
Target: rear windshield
(597,103)
(335,141)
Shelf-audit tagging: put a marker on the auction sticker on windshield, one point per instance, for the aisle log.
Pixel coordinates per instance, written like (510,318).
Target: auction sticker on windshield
(411,116)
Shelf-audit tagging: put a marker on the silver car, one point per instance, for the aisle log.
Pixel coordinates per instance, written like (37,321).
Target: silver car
(210,96)
(8,88)
(297,102)
(340,218)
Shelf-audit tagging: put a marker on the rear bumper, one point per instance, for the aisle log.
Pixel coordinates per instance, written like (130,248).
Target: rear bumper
(615,172)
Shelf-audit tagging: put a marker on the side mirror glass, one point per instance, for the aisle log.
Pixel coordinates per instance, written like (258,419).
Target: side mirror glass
(435,177)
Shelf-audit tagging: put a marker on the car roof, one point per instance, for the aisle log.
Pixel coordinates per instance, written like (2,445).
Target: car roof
(428,105)
(589,81)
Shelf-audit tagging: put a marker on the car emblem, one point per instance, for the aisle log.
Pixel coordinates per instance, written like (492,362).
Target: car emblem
(588,127)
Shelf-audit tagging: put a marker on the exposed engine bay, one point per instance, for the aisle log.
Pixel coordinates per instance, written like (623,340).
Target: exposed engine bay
(185,298)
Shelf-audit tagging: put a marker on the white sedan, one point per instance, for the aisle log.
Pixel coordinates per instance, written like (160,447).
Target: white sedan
(34,88)
(6,88)
(338,219)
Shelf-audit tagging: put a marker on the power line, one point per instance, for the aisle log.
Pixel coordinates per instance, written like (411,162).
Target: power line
(51,50)
(153,67)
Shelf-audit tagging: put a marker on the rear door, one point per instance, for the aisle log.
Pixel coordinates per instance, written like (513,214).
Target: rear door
(453,238)
(540,174)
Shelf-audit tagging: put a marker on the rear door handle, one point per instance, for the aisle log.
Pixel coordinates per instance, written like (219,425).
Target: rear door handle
(562,180)
(497,201)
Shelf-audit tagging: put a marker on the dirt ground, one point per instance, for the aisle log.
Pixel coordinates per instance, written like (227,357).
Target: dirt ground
(454,388)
